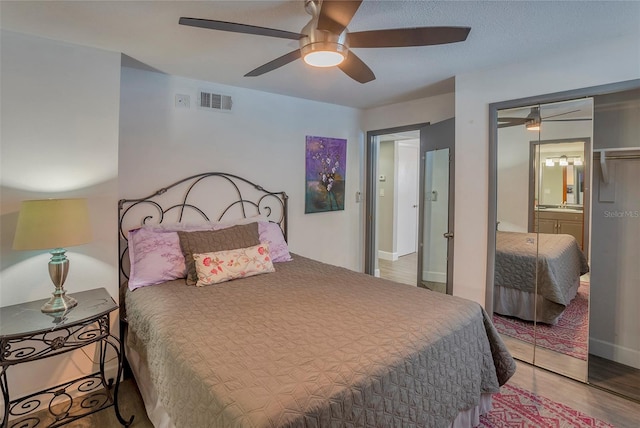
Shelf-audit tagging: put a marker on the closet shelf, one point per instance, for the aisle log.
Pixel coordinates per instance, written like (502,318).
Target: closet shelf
(614,154)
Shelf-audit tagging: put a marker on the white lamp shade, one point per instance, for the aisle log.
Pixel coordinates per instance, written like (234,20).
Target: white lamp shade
(52,223)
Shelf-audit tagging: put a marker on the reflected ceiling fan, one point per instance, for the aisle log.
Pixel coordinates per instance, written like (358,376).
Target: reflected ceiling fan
(326,42)
(533,120)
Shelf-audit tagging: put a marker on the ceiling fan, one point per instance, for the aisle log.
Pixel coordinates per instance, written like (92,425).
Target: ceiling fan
(325,40)
(533,120)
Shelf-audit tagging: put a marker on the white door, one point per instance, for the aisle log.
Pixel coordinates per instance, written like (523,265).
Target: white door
(407,171)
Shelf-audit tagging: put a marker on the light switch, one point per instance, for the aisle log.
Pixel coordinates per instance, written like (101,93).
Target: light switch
(381,192)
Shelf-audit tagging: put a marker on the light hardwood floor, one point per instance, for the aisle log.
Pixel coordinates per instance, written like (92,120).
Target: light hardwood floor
(403,270)
(614,376)
(565,365)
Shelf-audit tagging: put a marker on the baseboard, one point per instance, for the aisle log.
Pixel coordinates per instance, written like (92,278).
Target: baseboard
(385,255)
(434,276)
(613,352)
(376,273)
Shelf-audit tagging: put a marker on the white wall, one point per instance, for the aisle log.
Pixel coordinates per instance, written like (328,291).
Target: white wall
(262,139)
(59,138)
(608,62)
(513,178)
(432,109)
(386,221)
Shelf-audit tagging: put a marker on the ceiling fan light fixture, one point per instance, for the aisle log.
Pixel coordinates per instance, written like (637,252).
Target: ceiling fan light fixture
(533,125)
(324,54)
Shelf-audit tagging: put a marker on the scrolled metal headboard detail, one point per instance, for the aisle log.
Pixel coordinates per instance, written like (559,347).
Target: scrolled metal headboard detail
(210,196)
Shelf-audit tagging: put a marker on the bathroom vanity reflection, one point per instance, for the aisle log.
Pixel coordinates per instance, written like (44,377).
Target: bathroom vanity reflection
(557,196)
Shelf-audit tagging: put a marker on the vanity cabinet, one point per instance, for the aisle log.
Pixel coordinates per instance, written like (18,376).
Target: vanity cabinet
(556,222)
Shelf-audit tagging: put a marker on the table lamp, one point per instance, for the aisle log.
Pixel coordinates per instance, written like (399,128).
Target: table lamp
(53,224)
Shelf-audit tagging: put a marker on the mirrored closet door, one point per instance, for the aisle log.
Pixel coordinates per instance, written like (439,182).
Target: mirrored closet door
(541,281)
(565,173)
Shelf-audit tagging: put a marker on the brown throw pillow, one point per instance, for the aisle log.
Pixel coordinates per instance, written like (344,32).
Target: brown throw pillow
(241,236)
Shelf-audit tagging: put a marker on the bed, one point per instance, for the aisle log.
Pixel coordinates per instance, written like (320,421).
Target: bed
(306,344)
(555,261)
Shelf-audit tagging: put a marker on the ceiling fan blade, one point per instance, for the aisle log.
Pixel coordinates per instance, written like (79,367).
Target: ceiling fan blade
(239,28)
(402,37)
(335,15)
(560,114)
(355,68)
(507,125)
(564,120)
(514,120)
(276,63)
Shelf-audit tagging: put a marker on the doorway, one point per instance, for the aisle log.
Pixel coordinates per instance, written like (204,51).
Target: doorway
(402,231)
(396,220)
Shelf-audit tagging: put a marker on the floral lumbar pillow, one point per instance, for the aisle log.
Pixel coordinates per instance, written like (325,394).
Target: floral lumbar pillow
(221,266)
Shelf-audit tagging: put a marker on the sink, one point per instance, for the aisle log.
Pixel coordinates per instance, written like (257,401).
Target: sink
(560,210)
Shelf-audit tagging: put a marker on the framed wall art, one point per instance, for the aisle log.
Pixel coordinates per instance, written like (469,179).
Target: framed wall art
(325,172)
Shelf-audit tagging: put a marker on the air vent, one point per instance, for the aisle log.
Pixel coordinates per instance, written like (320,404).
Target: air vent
(211,101)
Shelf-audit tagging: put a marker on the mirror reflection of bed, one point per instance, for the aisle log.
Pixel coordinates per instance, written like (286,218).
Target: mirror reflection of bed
(541,282)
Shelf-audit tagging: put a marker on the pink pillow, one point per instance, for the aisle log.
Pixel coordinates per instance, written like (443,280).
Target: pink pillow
(220,266)
(155,256)
(270,233)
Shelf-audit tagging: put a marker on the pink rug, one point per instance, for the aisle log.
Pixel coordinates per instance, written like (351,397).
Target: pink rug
(569,336)
(516,407)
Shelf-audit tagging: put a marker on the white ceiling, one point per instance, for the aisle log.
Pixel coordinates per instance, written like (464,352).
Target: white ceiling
(502,32)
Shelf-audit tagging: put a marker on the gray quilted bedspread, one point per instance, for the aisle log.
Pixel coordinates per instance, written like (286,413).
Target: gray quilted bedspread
(314,345)
(559,260)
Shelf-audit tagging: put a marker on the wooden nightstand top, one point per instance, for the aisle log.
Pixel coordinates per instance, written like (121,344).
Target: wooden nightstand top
(26,318)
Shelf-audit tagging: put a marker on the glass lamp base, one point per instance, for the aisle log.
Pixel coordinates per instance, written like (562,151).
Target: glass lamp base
(58,270)
(59,302)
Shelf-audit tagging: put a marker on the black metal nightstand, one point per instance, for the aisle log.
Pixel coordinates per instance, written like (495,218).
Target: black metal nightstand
(27,334)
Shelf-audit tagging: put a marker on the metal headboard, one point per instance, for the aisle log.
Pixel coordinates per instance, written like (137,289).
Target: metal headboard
(210,196)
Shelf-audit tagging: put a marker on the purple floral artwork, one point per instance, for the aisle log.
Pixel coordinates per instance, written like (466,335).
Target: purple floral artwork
(326,162)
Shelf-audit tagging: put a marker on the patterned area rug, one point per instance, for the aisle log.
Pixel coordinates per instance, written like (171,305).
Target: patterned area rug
(568,337)
(516,407)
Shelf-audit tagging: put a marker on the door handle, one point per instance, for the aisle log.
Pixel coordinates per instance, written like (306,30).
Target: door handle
(448,235)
